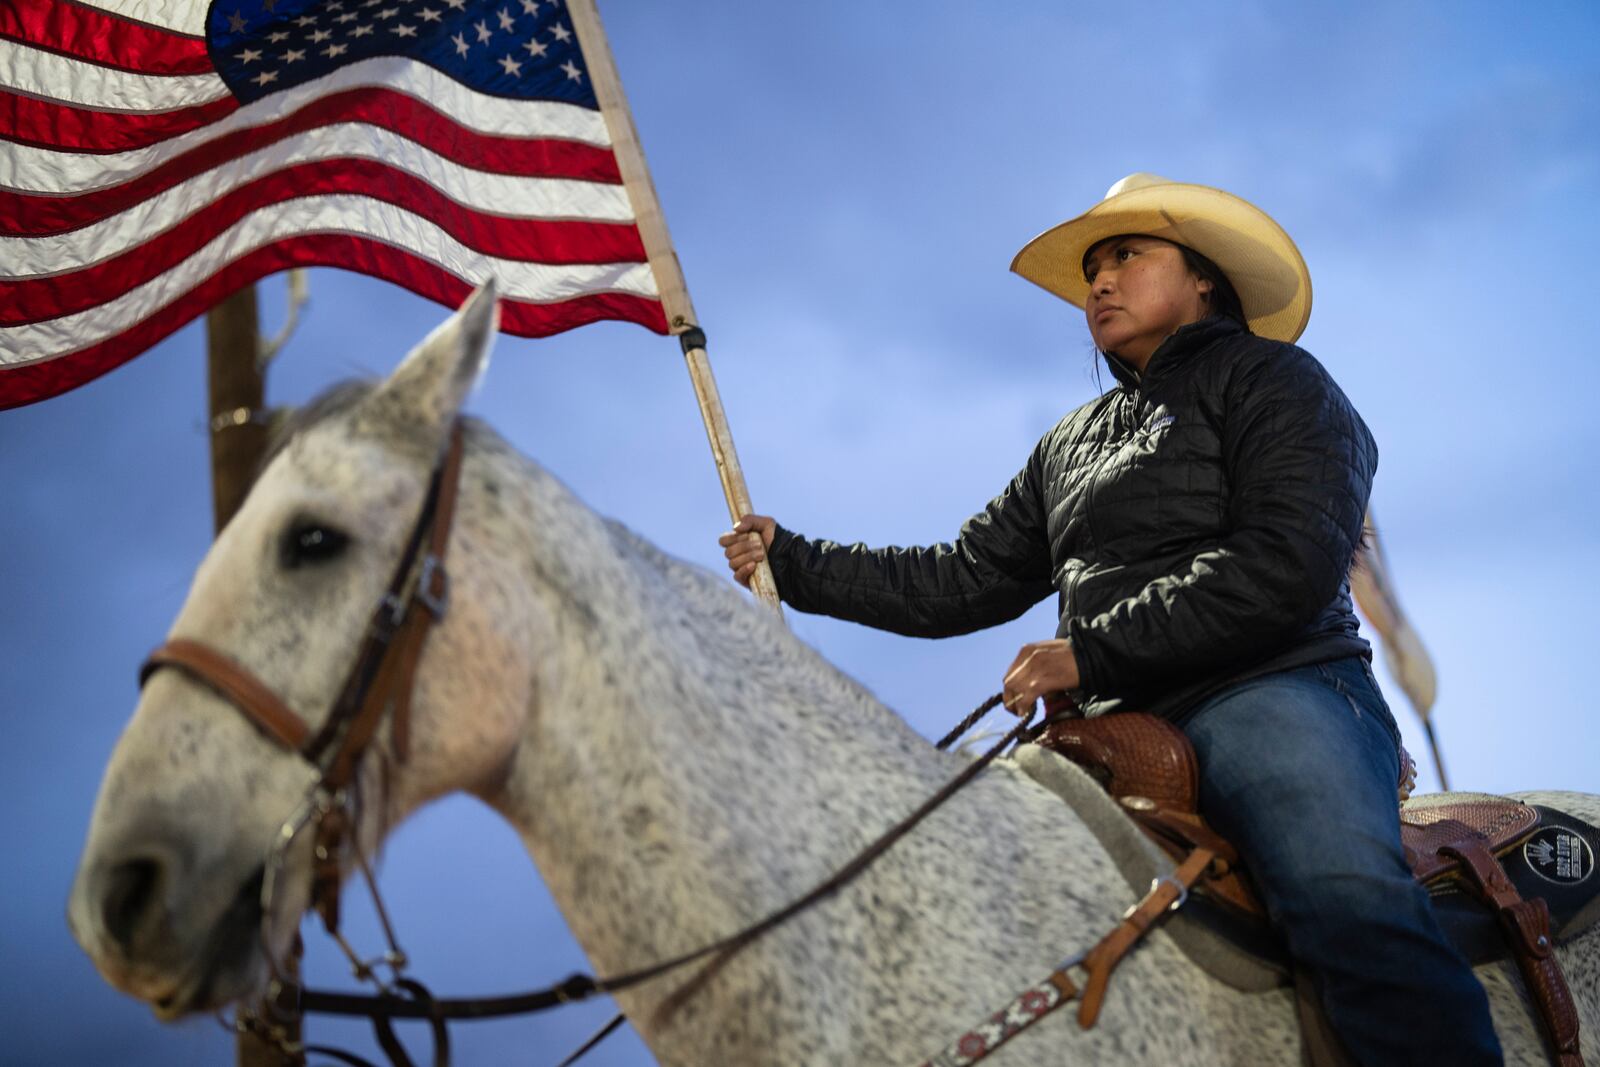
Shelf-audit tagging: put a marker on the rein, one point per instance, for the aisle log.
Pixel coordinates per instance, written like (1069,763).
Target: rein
(379,684)
(289,1000)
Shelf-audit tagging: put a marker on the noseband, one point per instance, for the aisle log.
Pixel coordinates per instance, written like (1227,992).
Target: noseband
(379,681)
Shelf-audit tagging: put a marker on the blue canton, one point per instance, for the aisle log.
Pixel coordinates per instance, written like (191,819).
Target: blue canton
(523,49)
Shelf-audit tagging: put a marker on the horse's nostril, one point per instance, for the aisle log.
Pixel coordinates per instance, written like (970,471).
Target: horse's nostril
(130,892)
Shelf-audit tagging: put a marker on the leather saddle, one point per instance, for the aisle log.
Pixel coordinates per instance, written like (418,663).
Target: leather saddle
(1506,877)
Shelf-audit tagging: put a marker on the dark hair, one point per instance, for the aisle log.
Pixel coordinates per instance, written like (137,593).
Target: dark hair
(1223,299)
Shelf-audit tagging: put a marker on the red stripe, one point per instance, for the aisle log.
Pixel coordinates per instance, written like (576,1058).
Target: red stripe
(529,240)
(49,377)
(33,215)
(89,131)
(103,38)
(81,129)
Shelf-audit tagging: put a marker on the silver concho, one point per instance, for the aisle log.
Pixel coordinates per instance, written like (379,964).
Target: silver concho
(1559,855)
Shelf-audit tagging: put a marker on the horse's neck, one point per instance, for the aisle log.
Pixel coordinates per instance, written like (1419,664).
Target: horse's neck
(687,763)
(687,767)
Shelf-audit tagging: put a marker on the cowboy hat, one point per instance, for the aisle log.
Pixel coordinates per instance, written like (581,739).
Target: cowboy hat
(1260,260)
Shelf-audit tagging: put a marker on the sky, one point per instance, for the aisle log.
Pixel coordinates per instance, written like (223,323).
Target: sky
(846,185)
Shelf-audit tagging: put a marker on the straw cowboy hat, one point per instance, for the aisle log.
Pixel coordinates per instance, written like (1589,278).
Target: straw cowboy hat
(1263,264)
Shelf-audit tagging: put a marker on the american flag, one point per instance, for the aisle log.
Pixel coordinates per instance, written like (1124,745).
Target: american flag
(157,155)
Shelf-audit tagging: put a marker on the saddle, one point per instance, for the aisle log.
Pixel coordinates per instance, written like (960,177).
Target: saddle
(1454,844)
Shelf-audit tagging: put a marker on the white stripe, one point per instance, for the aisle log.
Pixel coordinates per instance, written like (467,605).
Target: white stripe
(533,282)
(73,81)
(182,16)
(499,194)
(42,170)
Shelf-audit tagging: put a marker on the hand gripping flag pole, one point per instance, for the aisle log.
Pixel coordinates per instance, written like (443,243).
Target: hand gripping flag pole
(681,318)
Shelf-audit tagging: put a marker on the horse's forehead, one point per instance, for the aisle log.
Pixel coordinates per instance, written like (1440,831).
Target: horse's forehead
(333,456)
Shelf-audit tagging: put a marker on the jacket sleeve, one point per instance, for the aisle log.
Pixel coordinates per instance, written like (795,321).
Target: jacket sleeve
(995,570)
(1299,463)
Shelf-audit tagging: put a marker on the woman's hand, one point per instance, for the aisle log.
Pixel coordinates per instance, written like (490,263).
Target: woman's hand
(743,549)
(1041,667)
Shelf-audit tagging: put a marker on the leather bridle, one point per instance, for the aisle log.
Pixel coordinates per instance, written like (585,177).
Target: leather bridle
(378,684)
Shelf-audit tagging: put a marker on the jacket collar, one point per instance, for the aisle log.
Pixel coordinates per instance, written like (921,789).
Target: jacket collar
(1181,344)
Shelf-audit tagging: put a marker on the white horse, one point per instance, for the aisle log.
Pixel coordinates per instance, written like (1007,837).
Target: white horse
(677,763)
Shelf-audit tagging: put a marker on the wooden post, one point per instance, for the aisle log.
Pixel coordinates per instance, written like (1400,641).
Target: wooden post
(238,426)
(668,272)
(238,441)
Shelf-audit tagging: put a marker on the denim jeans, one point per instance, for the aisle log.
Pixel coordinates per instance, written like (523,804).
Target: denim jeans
(1298,769)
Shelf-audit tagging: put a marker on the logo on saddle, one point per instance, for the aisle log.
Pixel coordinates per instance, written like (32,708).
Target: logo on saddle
(1559,855)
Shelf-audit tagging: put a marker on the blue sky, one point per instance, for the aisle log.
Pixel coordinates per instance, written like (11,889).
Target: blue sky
(846,185)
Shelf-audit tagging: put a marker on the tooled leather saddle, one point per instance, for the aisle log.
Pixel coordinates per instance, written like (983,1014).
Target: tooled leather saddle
(1454,844)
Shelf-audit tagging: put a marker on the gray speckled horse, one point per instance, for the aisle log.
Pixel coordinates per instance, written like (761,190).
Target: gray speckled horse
(677,763)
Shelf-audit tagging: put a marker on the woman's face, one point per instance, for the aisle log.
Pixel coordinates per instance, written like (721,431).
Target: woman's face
(1140,291)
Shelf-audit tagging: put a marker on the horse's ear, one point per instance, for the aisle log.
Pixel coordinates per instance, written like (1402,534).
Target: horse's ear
(433,381)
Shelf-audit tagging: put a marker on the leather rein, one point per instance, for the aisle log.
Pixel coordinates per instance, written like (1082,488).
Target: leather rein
(379,683)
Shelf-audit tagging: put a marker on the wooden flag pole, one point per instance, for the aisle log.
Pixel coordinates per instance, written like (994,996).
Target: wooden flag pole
(238,431)
(668,273)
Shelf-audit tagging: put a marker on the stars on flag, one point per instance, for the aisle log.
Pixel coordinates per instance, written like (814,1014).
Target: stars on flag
(523,49)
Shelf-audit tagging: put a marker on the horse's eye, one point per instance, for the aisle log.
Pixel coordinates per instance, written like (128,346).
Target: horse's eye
(310,542)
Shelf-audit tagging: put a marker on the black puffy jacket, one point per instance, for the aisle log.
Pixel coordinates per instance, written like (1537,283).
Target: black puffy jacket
(1197,523)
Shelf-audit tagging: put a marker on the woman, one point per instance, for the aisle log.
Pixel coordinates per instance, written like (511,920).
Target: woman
(1197,524)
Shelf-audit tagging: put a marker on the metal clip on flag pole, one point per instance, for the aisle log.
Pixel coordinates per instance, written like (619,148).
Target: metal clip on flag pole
(681,318)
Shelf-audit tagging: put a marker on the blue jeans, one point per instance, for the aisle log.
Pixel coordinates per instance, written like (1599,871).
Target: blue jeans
(1298,769)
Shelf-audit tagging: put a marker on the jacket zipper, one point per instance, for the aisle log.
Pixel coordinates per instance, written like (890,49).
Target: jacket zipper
(1094,476)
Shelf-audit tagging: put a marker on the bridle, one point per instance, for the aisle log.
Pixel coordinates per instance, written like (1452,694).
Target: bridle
(379,684)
